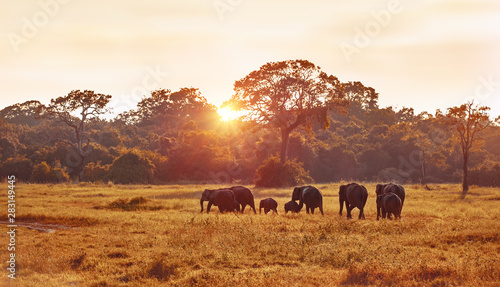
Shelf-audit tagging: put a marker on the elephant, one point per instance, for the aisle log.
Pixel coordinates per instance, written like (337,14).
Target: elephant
(389,203)
(268,204)
(291,206)
(394,188)
(244,196)
(237,206)
(310,196)
(354,195)
(222,198)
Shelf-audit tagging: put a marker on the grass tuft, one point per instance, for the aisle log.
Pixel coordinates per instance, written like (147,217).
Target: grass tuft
(160,270)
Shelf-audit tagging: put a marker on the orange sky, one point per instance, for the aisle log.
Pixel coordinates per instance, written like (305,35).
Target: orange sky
(421,54)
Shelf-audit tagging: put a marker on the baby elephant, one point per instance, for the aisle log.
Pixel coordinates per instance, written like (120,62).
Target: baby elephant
(389,203)
(291,206)
(268,204)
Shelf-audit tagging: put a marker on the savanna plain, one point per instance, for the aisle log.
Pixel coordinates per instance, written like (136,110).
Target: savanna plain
(154,235)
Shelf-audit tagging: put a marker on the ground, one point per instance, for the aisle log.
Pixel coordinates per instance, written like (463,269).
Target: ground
(137,235)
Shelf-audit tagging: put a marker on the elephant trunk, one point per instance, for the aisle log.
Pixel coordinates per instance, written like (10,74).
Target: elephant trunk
(201,203)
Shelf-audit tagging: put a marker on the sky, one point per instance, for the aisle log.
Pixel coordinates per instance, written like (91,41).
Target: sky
(426,55)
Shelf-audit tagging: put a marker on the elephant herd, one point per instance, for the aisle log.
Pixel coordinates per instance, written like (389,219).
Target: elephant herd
(390,199)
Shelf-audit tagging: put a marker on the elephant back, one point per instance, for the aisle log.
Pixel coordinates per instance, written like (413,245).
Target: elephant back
(268,203)
(291,206)
(312,195)
(356,194)
(391,202)
(397,190)
(242,194)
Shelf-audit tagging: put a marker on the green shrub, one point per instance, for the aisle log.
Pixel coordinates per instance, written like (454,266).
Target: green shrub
(131,168)
(273,173)
(44,173)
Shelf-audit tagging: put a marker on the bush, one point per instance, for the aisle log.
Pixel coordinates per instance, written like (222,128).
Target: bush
(273,173)
(21,167)
(487,174)
(131,168)
(95,172)
(44,173)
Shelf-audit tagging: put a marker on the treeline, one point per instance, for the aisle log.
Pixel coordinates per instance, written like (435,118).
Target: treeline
(177,136)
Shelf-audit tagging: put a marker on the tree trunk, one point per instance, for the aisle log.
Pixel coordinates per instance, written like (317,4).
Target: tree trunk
(465,183)
(422,170)
(285,134)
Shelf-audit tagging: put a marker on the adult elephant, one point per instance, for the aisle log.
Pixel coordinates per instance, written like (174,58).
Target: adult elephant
(310,196)
(222,198)
(354,195)
(244,196)
(268,204)
(387,204)
(394,188)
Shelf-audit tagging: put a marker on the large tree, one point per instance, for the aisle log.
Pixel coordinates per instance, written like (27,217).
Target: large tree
(286,95)
(165,108)
(467,119)
(75,110)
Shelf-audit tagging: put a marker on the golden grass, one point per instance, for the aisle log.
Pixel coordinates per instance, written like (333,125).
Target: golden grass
(440,241)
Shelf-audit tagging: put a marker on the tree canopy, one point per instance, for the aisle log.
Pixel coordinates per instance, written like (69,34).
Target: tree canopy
(468,120)
(286,95)
(334,131)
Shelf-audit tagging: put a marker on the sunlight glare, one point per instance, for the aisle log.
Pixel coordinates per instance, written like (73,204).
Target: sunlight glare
(227,114)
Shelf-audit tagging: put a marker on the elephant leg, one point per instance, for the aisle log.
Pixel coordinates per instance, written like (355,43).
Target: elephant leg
(266,210)
(361,215)
(383,213)
(275,210)
(221,210)
(349,209)
(312,210)
(252,206)
(209,206)
(321,209)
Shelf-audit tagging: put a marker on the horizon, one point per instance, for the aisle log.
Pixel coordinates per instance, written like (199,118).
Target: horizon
(434,55)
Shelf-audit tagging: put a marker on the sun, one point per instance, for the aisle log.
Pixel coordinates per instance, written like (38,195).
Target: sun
(227,114)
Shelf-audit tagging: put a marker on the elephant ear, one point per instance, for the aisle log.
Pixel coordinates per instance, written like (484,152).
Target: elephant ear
(204,195)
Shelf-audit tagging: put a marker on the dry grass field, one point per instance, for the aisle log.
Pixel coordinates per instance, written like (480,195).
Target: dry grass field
(114,235)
